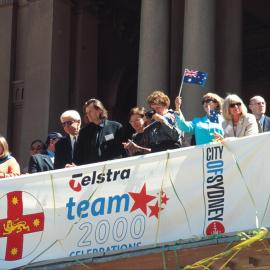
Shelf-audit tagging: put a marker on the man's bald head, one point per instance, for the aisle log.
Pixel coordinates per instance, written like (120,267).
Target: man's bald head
(257,105)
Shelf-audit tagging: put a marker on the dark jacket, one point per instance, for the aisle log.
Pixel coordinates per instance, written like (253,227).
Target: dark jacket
(266,124)
(40,163)
(63,153)
(99,143)
(161,136)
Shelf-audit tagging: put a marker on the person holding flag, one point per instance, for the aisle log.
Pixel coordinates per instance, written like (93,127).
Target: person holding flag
(204,127)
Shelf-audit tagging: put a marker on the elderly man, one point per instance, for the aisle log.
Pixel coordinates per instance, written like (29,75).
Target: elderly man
(65,148)
(101,139)
(257,105)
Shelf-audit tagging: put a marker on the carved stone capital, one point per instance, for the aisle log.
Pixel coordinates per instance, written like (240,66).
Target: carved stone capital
(6,2)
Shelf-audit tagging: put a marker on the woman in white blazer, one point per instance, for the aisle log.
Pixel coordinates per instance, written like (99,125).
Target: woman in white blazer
(237,121)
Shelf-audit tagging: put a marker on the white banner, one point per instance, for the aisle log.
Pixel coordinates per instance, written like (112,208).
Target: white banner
(135,202)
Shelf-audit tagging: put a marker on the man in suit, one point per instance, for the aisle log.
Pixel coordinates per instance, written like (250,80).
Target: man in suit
(64,149)
(257,105)
(44,161)
(101,139)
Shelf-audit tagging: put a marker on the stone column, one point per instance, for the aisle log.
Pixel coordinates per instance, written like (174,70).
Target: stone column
(21,39)
(154,48)
(37,75)
(6,32)
(18,81)
(46,70)
(229,47)
(60,99)
(84,44)
(198,52)
(176,48)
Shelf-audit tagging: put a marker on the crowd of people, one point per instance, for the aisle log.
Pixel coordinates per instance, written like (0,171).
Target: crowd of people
(157,129)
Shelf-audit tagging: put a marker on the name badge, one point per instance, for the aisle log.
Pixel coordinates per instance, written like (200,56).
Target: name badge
(109,137)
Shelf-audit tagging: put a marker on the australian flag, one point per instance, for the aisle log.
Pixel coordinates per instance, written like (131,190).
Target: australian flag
(195,76)
(213,116)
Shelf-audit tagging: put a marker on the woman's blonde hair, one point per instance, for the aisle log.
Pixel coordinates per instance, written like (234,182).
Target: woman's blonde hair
(216,98)
(4,145)
(230,99)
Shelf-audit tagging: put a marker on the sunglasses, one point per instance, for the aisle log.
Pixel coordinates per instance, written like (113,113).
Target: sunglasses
(208,101)
(69,123)
(238,104)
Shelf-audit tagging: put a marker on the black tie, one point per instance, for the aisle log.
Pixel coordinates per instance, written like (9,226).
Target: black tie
(74,145)
(259,126)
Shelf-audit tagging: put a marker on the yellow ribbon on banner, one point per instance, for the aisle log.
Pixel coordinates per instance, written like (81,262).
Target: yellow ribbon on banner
(232,252)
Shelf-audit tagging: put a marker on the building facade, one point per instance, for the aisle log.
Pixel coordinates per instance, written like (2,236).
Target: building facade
(56,54)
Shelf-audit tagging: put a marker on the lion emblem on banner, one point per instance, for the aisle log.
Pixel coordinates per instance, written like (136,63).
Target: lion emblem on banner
(21,227)
(15,226)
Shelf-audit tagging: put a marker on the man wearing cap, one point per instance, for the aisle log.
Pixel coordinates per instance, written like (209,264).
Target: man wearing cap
(64,149)
(257,105)
(44,161)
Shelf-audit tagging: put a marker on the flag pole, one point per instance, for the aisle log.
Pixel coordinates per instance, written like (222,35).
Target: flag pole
(181,86)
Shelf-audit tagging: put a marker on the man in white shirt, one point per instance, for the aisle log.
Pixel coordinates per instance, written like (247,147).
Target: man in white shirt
(257,105)
(64,149)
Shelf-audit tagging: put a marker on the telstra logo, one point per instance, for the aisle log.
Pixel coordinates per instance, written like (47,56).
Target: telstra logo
(76,184)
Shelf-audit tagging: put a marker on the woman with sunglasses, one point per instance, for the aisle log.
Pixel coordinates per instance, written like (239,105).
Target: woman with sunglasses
(204,127)
(238,122)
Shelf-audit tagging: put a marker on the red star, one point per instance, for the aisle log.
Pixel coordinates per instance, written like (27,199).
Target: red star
(141,199)
(154,210)
(164,199)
